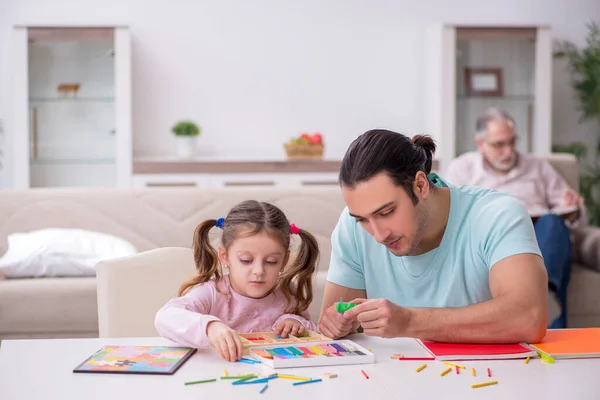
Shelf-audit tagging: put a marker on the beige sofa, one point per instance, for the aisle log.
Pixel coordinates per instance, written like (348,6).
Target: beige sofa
(153,218)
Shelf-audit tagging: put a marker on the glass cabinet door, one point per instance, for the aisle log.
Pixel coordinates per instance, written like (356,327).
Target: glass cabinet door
(71,82)
(495,67)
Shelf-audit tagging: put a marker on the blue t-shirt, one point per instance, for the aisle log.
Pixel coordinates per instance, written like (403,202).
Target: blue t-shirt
(484,226)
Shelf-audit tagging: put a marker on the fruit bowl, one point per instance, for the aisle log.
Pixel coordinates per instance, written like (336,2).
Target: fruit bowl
(305,146)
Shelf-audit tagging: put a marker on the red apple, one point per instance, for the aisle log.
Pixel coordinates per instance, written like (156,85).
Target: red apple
(305,136)
(316,138)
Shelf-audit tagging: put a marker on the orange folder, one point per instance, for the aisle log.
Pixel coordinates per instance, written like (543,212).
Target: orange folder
(571,343)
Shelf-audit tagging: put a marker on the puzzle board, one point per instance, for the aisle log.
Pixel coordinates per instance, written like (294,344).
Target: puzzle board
(250,340)
(311,354)
(157,360)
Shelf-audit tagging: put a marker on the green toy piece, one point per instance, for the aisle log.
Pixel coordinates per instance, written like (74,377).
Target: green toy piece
(341,307)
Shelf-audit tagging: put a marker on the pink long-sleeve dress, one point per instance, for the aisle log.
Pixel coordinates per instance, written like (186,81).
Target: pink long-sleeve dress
(184,320)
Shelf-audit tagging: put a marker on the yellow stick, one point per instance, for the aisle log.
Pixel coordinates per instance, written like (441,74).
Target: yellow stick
(444,372)
(454,365)
(473,371)
(421,368)
(225,372)
(295,378)
(478,385)
(527,360)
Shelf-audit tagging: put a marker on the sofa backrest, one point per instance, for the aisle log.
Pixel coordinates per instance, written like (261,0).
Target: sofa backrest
(566,165)
(166,217)
(162,217)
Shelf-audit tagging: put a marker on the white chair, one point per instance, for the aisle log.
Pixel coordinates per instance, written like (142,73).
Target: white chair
(132,289)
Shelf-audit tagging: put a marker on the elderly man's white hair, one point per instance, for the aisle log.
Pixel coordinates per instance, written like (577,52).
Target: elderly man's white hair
(489,115)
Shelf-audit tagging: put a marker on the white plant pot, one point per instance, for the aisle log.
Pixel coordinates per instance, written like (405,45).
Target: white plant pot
(185,146)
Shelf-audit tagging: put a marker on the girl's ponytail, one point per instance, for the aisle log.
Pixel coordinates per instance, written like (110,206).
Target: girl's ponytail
(296,280)
(205,258)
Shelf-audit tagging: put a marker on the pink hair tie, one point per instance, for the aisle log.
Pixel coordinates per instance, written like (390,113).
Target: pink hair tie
(294,230)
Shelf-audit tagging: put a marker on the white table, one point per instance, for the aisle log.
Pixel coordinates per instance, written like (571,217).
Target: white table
(42,369)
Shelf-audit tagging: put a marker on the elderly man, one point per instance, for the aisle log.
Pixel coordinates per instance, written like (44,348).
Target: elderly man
(498,165)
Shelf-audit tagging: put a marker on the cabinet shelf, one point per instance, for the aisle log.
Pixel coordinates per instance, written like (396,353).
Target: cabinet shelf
(71,99)
(72,161)
(522,98)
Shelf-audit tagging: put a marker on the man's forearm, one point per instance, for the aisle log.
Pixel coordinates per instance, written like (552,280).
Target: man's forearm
(501,320)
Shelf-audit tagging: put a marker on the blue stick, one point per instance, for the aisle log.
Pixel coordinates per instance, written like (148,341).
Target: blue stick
(248,361)
(264,388)
(263,380)
(304,382)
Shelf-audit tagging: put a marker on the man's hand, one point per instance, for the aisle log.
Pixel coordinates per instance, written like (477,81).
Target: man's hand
(335,325)
(571,198)
(226,340)
(289,326)
(380,317)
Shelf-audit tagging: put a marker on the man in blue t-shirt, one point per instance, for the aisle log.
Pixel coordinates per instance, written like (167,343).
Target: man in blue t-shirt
(426,259)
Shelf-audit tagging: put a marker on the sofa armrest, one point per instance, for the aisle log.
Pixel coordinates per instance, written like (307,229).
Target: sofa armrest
(132,289)
(586,247)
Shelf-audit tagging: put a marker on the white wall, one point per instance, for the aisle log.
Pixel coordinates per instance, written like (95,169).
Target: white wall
(254,73)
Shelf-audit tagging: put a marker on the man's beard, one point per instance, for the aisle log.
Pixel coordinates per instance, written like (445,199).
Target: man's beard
(505,163)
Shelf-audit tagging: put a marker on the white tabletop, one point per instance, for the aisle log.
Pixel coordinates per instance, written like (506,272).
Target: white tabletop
(42,369)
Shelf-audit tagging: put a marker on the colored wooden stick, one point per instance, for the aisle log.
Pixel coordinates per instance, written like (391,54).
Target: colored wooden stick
(478,385)
(293,377)
(239,376)
(454,365)
(421,368)
(310,381)
(204,381)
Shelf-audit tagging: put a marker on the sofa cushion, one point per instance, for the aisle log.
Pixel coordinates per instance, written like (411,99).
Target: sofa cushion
(60,252)
(48,305)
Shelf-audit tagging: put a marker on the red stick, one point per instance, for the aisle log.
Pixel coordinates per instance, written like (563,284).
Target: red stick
(364,373)
(457,371)
(416,358)
(489,373)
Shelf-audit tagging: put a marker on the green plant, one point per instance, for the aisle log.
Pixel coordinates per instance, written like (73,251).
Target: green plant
(584,65)
(186,128)
(585,70)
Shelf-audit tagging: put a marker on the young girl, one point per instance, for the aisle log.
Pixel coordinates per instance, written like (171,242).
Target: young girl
(261,292)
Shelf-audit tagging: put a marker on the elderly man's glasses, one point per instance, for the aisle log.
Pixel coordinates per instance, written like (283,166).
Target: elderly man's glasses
(499,144)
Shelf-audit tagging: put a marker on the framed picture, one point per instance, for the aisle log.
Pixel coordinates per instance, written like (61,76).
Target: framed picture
(483,81)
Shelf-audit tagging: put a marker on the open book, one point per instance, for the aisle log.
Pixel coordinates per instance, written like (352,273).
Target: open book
(570,343)
(558,210)
(459,351)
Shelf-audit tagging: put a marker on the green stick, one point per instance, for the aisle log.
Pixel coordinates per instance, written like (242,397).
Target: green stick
(240,377)
(204,381)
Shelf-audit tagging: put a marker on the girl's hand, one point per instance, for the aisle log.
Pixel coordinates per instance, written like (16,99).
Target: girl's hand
(289,326)
(225,340)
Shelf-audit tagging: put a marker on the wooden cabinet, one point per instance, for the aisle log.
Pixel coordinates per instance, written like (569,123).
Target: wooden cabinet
(221,173)
(471,68)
